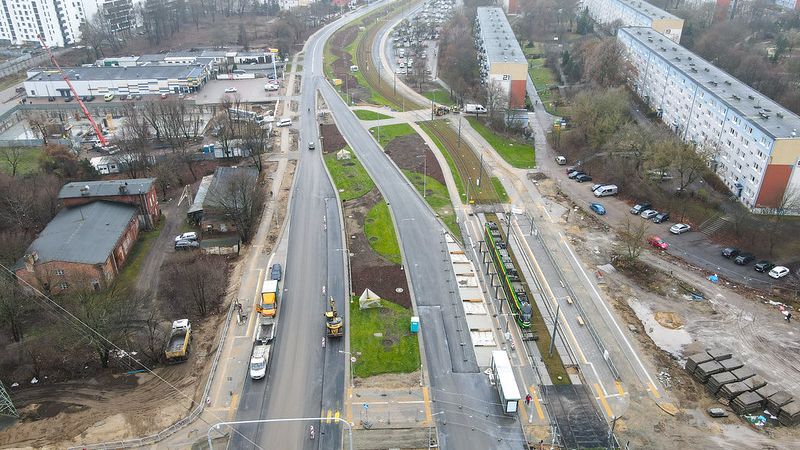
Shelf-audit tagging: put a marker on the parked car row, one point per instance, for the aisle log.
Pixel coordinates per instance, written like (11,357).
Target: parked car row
(186,241)
(743,258)
(578,175)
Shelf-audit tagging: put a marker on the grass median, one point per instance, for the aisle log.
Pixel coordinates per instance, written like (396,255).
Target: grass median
(515,152)
(364,114)
(379,229)
(382,341)
(349,175)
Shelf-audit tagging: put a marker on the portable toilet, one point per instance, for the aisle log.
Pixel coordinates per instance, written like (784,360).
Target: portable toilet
(415,324)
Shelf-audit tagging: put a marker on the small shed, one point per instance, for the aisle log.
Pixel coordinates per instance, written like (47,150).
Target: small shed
(220,246)
(368,300)
(343,154)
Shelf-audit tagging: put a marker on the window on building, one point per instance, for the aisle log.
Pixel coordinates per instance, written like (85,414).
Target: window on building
(63,286)
(59,272)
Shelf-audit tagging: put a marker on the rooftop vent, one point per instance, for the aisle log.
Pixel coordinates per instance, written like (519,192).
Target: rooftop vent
(751,97)
(85,190)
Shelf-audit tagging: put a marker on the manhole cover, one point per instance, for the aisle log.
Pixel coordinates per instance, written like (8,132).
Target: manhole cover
(399,290)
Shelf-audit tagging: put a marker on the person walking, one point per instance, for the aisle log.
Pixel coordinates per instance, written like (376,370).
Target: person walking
(789,317)
(528,399)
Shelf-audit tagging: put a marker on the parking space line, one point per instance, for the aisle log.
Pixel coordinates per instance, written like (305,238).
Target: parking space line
(619,388)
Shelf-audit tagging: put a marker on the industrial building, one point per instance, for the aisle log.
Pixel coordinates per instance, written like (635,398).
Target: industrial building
(500,56)
(58,21)
(635,13)
(753,139)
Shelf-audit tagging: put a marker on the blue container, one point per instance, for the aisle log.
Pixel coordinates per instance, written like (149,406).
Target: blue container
(415,324)
(210,148)
(205,149)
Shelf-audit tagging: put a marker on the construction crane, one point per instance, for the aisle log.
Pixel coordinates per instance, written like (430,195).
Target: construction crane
(85,111)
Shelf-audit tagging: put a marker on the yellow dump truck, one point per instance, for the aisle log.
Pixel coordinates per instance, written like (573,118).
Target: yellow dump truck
(268,304)
(180,341)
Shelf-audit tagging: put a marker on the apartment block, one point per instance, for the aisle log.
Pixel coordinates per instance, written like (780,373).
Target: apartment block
(58,21)
(753,139)
(500,56)
(635,13)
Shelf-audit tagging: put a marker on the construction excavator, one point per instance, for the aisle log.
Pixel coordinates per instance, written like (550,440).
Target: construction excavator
(333,322)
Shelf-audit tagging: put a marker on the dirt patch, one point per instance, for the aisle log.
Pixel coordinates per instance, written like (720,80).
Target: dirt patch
(332,140)
(368,268)
(406,150)
(669,320)
(341,67)
(390,381)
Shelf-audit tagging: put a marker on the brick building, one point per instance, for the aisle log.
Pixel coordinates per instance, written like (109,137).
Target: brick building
(140,192)
(83,246)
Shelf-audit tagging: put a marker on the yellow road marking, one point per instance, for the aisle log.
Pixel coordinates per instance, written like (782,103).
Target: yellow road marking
(603,400)
(653,389)
(330,414)
(427,404)
(619,388)
(523,410)
(232,408)
(350,405)
(538,405)
(336,414)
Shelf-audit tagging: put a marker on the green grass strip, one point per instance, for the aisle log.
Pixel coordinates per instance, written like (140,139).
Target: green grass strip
(450,164)
(364,114)
(127,278)
(387,133)
(349,175)
(379,229)
(28,161)
(516,153)
(394,350)
(441,97)
(498,187)
(439,200)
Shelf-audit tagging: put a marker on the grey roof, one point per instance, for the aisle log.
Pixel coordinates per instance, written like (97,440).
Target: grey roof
(221,177)
(83,234)
(499,41)
(150,72)
(106,187)
(761,111)
(648,10)
(197,205)
(228,241)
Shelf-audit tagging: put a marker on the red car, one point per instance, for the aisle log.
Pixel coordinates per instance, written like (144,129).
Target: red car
(657,242)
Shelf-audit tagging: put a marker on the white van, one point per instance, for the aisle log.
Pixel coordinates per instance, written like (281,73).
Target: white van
(604,191)
(271,87)
(285,123)
(561,160)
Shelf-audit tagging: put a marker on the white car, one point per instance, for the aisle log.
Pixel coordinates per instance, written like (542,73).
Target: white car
(679,228)
(188,236)
(230,89)
(271,87)
(779,272)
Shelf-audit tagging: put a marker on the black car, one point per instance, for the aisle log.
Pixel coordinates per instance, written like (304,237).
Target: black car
(764,266)
(276,272)
(88,98)
(51,99)
(583,177)
(731,252)
(574,174)
(641,207)
(661,217)
(744,258)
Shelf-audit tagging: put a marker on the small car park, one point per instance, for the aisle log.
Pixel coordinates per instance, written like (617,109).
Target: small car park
(680,228)
(661,217)
(779,272)
(639,207)
(649,213)
(598,208)
(229,90)
(276,272)
(731,252)
(188,236)
(763,266)
(186,245)
(657,242)
(583,177)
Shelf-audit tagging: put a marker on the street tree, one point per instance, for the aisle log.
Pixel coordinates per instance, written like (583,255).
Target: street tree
(194,283)
(237,197)
(598,114)
(13,156)
(496,105)
(14,306)
(255,141)
(631,238)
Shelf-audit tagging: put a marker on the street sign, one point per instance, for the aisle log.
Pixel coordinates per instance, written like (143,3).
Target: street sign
(352,359)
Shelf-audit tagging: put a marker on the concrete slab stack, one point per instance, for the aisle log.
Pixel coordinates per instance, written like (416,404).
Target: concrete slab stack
(747,403)
(790,414)
(716,381)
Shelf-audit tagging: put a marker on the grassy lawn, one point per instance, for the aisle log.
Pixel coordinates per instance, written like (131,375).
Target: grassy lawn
(450,164)
(395,351)
(389,132)
(298,68)
(363,114)
(542,77)
(131,269)
(379,229)
(349,175)
(441,97)
(501,191)
(516,153)
(28,161)
(439,200)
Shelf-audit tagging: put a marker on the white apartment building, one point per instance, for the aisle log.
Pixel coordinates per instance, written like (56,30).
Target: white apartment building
(754,139)
(502,62)
(634,13)
(58,21)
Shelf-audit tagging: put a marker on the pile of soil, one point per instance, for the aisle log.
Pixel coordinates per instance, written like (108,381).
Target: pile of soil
(405,152)
(332,140)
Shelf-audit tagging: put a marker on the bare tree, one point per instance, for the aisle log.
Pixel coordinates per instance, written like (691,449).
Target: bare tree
(13,156)
(166,174)
(786,202)
(238,198)
(255,141)
(153,338)
(631,238)
(38,122)
(496,104)
(133,140)
(194,283)
(14,307)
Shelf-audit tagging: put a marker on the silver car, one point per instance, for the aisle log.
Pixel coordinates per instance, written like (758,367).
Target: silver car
(649,213)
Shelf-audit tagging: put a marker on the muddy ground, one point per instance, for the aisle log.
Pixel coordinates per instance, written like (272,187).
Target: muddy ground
(341,67)
(672,325)
(332,140)
(405,152)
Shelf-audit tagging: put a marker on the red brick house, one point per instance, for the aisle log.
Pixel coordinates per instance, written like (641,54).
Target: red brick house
(139,191)
(83,246)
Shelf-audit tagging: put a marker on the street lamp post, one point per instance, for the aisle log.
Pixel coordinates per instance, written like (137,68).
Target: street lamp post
(425,170)
(352,367)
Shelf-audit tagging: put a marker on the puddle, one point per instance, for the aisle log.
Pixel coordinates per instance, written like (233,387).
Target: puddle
(670,340)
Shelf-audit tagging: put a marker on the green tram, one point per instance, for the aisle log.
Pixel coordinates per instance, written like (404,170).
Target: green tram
(509,277)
